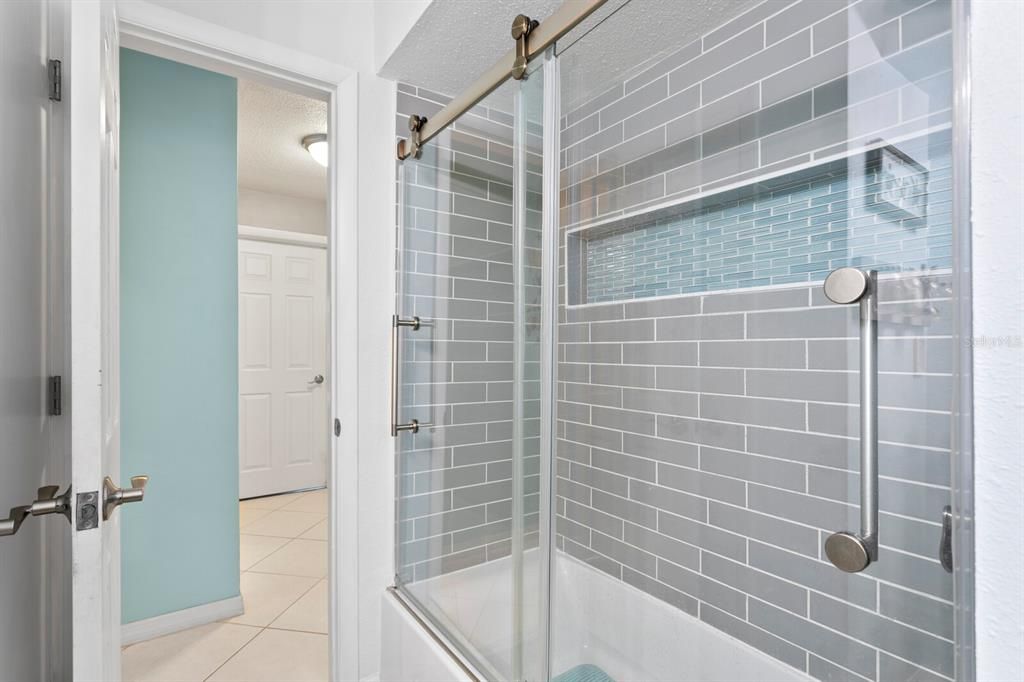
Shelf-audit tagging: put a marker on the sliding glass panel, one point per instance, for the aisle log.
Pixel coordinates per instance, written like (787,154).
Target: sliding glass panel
(719,404)
(468,472)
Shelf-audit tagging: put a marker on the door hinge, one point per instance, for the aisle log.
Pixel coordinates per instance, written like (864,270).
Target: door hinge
(53,70)
(337,427)
(56,397)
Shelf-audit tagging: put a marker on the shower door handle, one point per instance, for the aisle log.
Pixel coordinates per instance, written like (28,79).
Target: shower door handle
(853,552)
(396,324)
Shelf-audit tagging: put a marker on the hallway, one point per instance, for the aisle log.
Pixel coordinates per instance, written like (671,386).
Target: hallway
(283,633)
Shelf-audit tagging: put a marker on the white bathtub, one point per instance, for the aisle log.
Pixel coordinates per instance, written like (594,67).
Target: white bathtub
(629,634)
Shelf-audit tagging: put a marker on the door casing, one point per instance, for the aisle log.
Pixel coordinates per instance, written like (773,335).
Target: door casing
(152,29)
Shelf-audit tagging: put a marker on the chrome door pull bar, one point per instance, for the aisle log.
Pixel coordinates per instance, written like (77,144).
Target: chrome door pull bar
(396,324)
(853,552)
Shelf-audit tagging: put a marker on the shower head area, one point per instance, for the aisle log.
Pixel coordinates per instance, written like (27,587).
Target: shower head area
(676,365)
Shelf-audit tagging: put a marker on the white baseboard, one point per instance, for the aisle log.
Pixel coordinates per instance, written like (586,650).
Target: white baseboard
(157,626)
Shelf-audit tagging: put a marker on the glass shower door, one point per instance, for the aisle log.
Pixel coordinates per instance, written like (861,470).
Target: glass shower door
(467,380)
(756,342)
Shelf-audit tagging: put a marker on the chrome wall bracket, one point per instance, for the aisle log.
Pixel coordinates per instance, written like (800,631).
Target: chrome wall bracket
(522,27)
(414,145)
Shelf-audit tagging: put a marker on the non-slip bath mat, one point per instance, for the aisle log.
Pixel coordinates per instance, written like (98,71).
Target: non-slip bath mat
(583,673)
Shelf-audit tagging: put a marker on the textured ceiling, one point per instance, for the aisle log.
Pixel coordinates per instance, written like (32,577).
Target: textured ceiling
(454,41)
(271,125)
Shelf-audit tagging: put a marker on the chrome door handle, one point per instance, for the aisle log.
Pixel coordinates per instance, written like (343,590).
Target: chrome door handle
(15,518)
(47,502)
(318,379)
(853,552)
(397,323)
(114,497)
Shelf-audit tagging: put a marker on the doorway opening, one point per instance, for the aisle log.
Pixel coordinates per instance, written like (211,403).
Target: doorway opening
(225,374)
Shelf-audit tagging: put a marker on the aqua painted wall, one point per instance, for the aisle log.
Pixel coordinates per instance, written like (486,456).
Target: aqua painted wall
(179,335)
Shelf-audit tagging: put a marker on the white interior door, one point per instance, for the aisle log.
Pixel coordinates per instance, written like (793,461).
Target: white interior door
(91,98)
(33,561)
(282,362)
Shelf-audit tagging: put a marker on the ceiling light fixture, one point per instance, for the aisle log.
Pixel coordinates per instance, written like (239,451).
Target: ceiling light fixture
(316,145)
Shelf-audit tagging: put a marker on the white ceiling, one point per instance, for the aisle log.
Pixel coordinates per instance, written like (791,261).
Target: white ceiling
(271,125)
(455,41)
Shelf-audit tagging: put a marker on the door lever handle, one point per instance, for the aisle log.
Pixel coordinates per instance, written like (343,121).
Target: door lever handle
(12,523)
(46,502)
(114,497)
(49,502)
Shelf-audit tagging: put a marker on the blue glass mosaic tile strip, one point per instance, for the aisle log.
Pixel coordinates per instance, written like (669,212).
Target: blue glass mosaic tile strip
(888,210)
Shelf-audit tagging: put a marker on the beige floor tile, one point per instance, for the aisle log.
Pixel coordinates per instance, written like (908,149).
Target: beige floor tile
(278,656)
(298,557)
(317,532)
(266,596)
(272,501)
(187,656)
(308,614)
(255,548)
(283,524)
(247,515)
(315,502)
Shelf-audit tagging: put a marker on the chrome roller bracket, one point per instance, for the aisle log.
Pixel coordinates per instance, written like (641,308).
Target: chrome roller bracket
(414,145)
(854,552)
(522,26)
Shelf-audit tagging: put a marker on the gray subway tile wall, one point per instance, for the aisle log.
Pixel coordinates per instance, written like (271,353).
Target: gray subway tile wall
(454,491)
(707,441)
(751,459)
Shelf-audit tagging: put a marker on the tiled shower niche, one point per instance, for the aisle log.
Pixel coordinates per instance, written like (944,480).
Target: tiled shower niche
(887,209)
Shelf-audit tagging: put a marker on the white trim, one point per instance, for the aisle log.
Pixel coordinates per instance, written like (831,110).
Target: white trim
(166,33)
(176,621)
(268,234)
(173,35)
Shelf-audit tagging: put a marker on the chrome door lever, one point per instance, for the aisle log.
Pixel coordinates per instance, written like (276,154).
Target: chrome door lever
(114,497)
(853,552)
(12,523)
(49,502)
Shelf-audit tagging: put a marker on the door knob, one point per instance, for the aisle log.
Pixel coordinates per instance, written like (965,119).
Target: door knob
(318,379)
(115,497)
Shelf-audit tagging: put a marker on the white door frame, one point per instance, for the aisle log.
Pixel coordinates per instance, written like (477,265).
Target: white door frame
(168,34)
